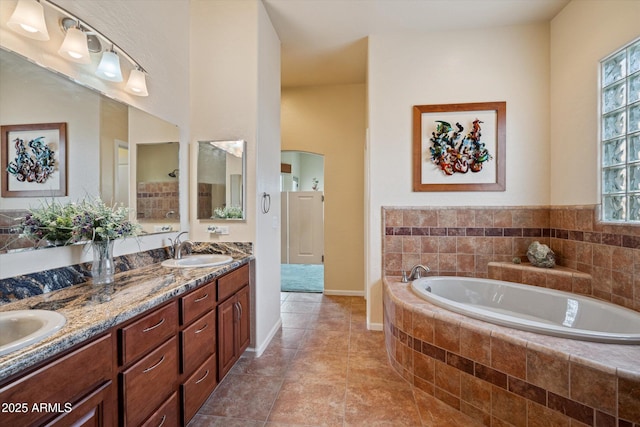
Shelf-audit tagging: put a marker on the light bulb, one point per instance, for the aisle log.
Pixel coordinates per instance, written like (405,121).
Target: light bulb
(74,47)
(109,67)
(28,19)
(137,83)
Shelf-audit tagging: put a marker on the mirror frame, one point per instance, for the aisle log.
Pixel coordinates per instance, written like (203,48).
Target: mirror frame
(244,178)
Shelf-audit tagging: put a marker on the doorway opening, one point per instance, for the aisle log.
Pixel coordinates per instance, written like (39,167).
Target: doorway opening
(302,253)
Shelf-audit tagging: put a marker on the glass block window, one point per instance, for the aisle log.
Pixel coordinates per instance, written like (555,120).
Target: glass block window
(620,134)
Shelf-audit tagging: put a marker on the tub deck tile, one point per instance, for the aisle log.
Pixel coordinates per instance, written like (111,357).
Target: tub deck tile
(603,388)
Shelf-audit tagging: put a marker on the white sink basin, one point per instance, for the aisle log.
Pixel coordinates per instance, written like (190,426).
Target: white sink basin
(198,260)
(20,328)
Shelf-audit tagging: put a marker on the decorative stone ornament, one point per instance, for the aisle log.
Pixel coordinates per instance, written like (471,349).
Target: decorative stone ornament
(540,255)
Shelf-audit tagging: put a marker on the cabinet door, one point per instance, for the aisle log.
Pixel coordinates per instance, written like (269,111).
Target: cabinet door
(63,381)
(244,320)
(227,313)
(95,410)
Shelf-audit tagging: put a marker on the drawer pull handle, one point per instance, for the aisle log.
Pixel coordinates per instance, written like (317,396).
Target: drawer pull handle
(202,329)
(201,298)
(164,418)
(206,374)
(150,328)
(154,366)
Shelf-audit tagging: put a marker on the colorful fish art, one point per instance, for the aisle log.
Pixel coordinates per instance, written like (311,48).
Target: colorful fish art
(453,153)
(34,162)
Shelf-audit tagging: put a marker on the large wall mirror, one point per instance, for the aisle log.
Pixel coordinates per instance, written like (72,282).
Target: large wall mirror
(221,180)
(114,151)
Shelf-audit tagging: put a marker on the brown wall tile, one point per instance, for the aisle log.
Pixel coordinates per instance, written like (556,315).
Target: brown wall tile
(548,371)
(498,235)
(628,397)
(593,387)
(508,358)
(476,392)
(447,335)
(508,407)
(475,346)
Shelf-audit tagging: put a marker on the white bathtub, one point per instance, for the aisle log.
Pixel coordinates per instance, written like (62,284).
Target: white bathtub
(531,308)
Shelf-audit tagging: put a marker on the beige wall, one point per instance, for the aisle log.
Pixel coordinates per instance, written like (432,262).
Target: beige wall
(502,64)
(235,94)
(223,93)
(330,120)
(582,34)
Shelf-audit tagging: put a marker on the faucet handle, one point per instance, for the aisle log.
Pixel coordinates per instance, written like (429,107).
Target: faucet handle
(404,277)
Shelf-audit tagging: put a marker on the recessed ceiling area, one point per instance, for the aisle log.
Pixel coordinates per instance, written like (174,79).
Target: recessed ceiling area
(325,41)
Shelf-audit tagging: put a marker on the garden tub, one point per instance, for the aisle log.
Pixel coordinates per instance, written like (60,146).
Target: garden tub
(533,309)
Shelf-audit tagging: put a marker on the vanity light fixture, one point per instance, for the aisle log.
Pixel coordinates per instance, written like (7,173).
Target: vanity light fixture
(109,67)
(137,83)
(28,20)
(75,46)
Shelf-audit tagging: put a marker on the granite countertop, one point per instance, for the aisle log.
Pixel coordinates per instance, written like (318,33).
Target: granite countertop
(93,309)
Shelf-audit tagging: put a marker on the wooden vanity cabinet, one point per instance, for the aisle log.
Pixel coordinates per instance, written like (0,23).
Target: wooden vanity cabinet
(234,317)
(167,415)
(155,369)
(74,389)
(149,355)
(198,348)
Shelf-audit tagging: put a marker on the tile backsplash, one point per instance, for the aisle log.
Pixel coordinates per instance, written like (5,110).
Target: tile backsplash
(463,240)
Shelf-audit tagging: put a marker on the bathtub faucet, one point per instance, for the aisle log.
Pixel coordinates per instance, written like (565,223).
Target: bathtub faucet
(415,272)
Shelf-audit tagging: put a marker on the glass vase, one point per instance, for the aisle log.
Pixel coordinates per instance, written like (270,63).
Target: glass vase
(102,267)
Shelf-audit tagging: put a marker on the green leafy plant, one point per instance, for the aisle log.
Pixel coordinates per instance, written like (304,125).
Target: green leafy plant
(51,222)
(228,212)
(96,221)
(90,219)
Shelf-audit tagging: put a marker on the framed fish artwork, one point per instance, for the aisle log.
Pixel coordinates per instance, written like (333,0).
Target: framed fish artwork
(34,160)
(459,147)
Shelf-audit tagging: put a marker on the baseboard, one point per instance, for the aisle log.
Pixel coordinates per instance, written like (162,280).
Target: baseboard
(374,326)
(344,293)
(258,351)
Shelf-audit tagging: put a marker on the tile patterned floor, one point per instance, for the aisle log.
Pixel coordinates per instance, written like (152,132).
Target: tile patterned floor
(323,368)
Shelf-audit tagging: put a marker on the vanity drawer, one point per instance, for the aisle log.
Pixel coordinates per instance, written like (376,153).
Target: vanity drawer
(167,415)
(148,332)
(230,283)
(147,384)
(198,342)
(197,388)
(198,302)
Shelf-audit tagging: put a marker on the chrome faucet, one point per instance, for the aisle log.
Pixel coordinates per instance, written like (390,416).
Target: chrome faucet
(177,246)
(415,273)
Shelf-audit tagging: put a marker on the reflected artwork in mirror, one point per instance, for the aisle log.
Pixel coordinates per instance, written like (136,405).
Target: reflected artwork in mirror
(221,179)
(101,136)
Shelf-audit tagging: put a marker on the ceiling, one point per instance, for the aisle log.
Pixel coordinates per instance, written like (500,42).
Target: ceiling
(325,41)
